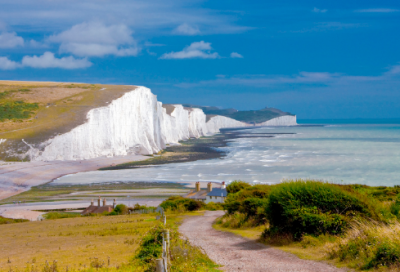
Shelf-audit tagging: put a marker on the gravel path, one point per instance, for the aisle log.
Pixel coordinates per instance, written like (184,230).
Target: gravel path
(236,253)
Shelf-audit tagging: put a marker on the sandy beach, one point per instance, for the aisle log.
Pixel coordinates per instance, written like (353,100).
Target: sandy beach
(17,177)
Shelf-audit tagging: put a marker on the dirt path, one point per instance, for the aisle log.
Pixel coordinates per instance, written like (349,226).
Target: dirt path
(236,253)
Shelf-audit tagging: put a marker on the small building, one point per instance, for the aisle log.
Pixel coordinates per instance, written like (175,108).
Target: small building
(217,195)
(210,195)
(99,209)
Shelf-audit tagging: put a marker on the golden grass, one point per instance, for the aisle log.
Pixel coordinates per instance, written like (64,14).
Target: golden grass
(73,242)
(62,106)
(367,245)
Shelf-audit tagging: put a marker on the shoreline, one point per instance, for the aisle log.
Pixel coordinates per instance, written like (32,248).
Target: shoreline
(18,177)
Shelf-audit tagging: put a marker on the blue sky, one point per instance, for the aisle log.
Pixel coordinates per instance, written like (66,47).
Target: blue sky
(318,59)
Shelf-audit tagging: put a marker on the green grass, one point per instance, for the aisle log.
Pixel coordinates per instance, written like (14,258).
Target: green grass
(11,109)
(4,220)
(60,215)
(16,110)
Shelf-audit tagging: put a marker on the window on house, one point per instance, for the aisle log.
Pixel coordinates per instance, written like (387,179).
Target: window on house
(215,197)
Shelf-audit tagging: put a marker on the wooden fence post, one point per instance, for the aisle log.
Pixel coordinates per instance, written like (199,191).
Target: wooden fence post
(159,265)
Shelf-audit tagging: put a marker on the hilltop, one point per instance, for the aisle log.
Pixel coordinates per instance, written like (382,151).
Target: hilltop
(250,116)
(37,111)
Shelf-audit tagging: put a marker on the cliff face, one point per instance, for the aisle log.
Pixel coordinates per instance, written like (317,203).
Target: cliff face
(217,122)
(287,120)
(135,123)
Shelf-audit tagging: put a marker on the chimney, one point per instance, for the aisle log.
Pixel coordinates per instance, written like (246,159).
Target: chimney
(115,203)
(209,187)
(223,185)
(198,186)
(104,201)
(98,202)
(91,203)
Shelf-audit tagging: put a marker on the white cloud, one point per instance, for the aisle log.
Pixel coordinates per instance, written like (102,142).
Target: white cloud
(378,10)
(316,79)
(151,18)
(10,40)
(186,29)
(6,64)
(36,44)
(97,39)
(317,10)
(199,50)
(235,55)
(47,60)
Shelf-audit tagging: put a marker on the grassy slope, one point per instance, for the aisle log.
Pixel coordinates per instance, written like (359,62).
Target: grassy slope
(62,106)
(78,242)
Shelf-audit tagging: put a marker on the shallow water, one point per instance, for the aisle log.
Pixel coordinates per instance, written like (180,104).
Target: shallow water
(365,154)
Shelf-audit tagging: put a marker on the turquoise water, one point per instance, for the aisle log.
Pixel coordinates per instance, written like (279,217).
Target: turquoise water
(342,153)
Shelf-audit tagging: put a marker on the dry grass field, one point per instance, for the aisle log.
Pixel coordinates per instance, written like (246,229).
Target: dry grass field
(73,242)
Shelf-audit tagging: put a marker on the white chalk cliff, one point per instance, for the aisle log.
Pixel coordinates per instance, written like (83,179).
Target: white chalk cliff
(135,123)
(286,120)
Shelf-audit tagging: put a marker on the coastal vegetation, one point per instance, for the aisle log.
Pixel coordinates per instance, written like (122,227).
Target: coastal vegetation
(4,220)
(179,204)
(99,243)
(183,256)
(353,225)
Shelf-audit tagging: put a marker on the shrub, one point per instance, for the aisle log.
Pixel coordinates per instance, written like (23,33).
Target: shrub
(60,215)
(372,244)
(150,247)
(138,207)
(395,207)
(121,209)
(236,185)
(175,203)
(211,206)
(250,201)
(310,207)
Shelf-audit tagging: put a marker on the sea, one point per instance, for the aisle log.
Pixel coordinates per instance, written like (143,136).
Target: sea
(358,151)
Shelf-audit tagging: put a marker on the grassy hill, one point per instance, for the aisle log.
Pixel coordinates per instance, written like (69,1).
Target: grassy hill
(37,111)
(251,116)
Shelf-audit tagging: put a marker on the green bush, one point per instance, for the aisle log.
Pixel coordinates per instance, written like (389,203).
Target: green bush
(150,247)
(59,215)
(310,207)
(211,206)
(250,201)
(236,185)
(121,209)
(395,207)
(138,207)
(175,203)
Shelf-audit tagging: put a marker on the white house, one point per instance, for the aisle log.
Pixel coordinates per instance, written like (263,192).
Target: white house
(210,195)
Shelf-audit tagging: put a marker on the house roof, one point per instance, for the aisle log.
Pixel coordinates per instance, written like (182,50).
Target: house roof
(197,195)
(97,209)
(217,192)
